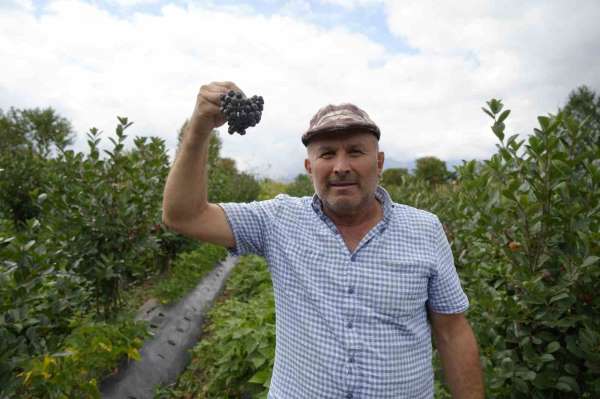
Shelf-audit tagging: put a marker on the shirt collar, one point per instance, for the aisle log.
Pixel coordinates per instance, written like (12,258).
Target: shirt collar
(380,193)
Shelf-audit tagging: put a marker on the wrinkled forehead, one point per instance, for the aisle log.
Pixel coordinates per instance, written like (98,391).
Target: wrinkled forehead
(343,139)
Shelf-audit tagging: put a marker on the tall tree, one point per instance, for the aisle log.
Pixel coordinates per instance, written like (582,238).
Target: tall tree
(27,139)
(301,186)
(393,176)
(41,130)
(432,170)
(583,106)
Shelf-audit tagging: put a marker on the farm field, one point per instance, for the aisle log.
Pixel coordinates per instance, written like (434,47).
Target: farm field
(82,246)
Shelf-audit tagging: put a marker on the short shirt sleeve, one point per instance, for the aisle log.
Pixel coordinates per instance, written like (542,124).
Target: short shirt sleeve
(250,224)
(445,291)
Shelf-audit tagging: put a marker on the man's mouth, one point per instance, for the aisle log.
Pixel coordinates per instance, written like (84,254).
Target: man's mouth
(342,184)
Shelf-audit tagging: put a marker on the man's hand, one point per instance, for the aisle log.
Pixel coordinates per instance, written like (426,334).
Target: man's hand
(458,351)
(207,115)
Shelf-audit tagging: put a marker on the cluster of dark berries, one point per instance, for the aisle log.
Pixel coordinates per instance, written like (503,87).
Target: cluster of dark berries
(241,112)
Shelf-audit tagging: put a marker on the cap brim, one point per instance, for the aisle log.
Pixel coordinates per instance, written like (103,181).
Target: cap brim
(349,128)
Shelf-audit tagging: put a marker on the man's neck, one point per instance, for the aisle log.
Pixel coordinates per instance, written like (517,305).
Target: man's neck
(368,215)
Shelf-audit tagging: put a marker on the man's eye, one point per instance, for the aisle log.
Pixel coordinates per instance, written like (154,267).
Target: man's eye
(327,155)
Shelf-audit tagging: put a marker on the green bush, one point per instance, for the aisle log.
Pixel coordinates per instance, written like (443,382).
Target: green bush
(22,173)
(90,353)
(534,232)
(301,186)
(39,296)
(269,189)
(27,138)
(226,183)
(524,228)
(393,176)
(102,213)
(431,170)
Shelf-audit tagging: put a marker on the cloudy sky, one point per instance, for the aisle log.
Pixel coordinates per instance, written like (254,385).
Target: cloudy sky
(421,69)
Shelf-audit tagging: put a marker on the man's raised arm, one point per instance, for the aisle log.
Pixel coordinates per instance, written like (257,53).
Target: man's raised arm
(186,209)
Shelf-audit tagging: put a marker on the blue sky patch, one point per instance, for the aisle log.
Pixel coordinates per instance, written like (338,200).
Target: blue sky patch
(367,20)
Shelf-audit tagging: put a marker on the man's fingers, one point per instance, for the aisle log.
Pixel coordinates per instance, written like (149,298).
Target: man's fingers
(213,88)
(227,85)
(224,84)
(213,97)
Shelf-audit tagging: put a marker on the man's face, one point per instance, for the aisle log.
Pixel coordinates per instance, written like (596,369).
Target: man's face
(344,169)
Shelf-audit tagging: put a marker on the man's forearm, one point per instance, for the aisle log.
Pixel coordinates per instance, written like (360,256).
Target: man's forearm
(186,191)
(460,361)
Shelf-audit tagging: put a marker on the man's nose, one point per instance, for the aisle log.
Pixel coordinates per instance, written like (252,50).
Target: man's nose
(342,165)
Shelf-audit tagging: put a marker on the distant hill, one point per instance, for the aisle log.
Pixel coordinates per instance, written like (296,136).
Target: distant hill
(390,163)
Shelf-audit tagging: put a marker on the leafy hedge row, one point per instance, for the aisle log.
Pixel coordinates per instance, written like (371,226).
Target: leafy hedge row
(91,352)
(94,349)
(77,231)
(525,230)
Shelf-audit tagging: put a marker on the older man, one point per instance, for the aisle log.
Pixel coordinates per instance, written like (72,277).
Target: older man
(360,282)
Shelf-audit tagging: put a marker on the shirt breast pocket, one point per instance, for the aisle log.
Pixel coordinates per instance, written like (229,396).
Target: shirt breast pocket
(305,268)
(397,289)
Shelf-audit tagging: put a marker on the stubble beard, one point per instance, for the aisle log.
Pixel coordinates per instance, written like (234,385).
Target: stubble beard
(344,206)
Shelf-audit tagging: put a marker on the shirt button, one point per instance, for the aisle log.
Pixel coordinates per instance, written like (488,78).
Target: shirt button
(349,396)
(349,325)
(351,359)
(351,290)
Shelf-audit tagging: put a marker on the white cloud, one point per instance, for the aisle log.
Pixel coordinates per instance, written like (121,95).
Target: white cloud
(529,54)
(92,66)
(352,4)
(532,50)
(132,3)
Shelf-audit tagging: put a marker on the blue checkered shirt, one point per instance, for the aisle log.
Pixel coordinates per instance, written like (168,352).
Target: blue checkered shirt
(350,324)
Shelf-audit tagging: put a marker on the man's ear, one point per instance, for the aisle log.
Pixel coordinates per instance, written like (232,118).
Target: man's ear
(308,166)
(380,159)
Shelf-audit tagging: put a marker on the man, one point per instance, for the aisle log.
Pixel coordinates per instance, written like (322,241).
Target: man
(360,282)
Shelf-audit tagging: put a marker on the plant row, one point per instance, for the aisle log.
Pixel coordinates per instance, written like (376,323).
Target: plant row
(79,233)
(94,349)
(525,231)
